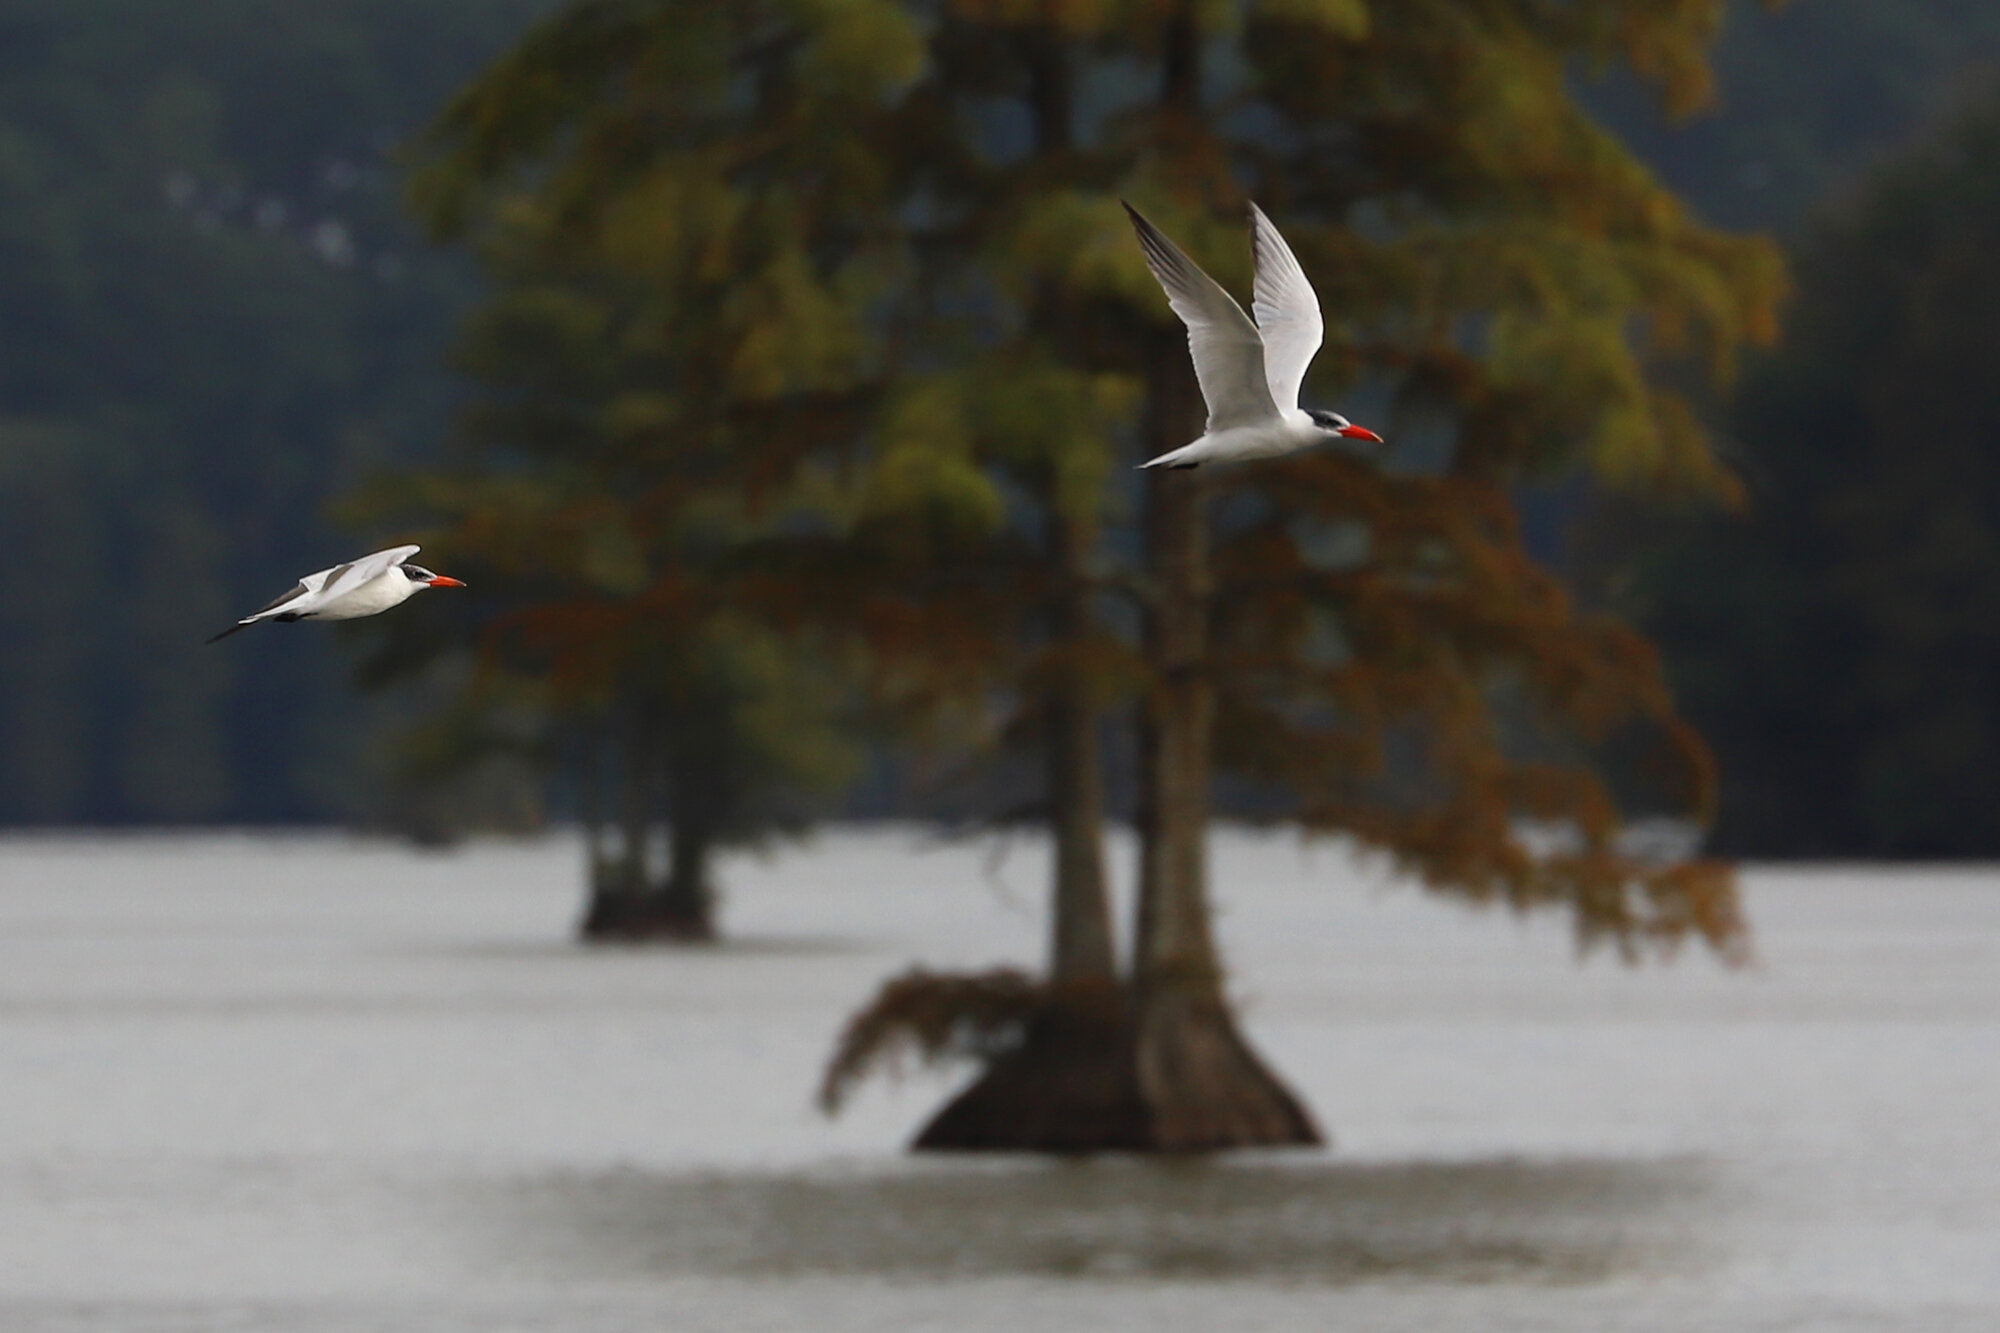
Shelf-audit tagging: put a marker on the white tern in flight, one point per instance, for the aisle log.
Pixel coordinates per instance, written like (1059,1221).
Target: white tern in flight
(364,587)
(1250,372)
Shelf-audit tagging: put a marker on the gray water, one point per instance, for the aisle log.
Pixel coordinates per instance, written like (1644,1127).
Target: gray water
(317,1084)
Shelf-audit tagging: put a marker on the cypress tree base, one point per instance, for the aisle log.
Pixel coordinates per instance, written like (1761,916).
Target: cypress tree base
(1098,1074)
(1071,1086)
(1204,1087)
(661,917)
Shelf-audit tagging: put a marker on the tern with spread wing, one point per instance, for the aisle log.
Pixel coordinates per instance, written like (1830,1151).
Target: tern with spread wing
(1250,372)
(364,587)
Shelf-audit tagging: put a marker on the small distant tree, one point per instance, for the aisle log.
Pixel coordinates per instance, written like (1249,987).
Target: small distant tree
(678,322)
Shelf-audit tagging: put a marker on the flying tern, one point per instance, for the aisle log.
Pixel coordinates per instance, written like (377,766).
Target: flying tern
(363,587)
(1250,372)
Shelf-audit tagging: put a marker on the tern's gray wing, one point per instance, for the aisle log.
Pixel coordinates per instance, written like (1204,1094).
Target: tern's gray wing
(342,579)
(1228,352)
(1287,312)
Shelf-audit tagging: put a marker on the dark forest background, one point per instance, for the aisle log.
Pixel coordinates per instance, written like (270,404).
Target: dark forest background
(216,321)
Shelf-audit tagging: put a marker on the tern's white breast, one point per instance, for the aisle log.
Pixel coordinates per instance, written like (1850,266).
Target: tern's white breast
(1287,435)
(387,589)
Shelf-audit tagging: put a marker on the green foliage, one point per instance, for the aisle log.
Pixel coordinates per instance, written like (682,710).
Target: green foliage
(924,248)
(1499,271)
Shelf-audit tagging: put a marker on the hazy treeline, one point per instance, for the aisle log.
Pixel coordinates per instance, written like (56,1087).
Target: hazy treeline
(1836,637)
(1809,91)
(1830,635)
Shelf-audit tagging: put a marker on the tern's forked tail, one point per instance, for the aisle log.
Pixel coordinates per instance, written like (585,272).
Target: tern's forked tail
(1176,460)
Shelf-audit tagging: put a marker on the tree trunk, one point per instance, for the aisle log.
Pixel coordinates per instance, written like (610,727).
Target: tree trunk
(688,898)
(1204,1088)
(1156,1065)
(1081,949)
(1071,1085)
(628,902)
(1172,941)
(1080,946)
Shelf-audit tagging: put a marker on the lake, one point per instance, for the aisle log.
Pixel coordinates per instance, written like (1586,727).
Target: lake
(312,1083)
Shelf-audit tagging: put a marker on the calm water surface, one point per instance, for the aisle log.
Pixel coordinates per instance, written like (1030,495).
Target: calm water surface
(314,1084)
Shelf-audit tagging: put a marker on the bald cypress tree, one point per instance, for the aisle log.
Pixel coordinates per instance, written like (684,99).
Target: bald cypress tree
(1518,294)
(1503,280)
